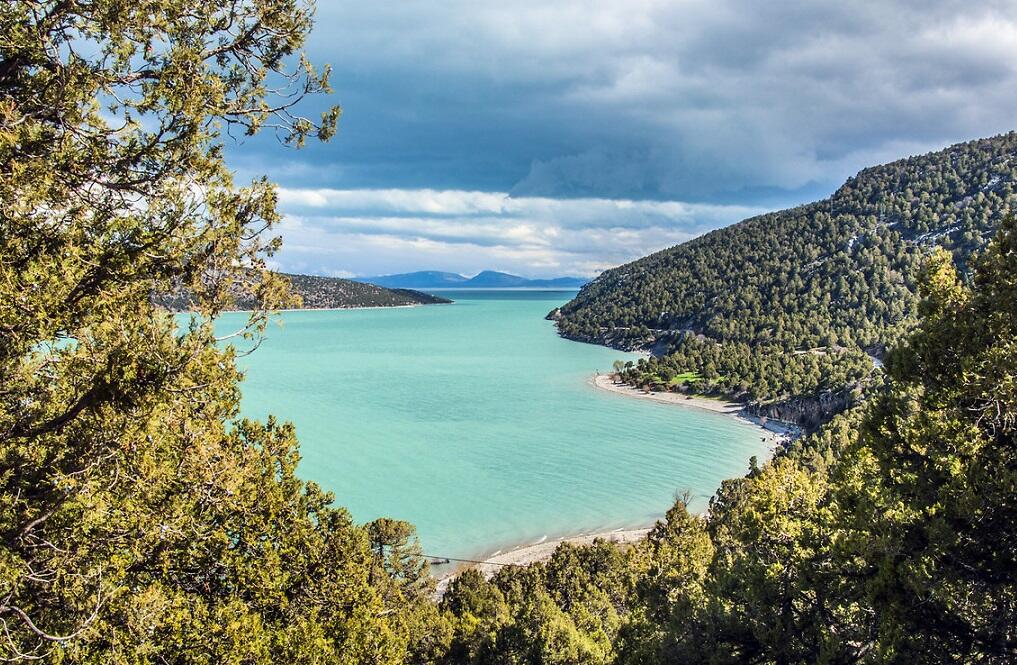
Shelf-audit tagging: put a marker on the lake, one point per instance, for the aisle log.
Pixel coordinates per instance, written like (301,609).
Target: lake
(477,423)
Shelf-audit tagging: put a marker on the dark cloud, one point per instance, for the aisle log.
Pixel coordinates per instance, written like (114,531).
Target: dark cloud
(687,100)
(719,101)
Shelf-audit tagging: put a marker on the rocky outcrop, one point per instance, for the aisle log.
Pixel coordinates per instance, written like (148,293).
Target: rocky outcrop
(807,412)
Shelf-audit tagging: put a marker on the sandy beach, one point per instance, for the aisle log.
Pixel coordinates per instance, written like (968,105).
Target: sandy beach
(527,554)
(605,382)
(774,432)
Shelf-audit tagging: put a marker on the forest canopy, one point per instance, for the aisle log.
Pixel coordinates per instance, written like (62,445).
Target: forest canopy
(143,520)
(798,302)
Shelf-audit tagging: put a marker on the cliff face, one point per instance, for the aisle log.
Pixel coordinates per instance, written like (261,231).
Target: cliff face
(807,412)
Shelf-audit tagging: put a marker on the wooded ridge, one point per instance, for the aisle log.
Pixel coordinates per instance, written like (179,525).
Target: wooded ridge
(317,292)
(792,304)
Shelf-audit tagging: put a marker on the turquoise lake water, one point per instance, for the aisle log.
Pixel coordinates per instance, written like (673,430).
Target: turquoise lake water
(477,423)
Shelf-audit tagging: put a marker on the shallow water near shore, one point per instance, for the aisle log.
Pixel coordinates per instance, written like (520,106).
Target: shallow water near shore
(477,423)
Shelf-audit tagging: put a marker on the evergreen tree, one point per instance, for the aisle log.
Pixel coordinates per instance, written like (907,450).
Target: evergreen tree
(755,306)
(927,495)
(141,520)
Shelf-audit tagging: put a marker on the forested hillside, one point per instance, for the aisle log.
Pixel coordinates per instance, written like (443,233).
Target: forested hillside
(316,292)
(333,292)
(886,537)
(143,520)
(791,303)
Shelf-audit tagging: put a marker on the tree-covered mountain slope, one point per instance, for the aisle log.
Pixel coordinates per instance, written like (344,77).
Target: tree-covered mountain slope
(792,303)
(316,292)
(332,292)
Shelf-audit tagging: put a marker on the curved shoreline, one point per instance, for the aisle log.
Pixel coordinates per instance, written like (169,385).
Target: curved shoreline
(524,555)
(775,431)
(527,554)
(605,382)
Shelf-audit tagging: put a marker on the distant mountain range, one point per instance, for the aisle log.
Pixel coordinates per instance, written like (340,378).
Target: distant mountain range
(489,279)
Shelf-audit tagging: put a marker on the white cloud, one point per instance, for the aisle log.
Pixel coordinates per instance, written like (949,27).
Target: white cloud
(395,200)
(381,231)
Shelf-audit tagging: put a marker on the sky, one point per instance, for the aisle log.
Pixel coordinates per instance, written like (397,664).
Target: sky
(549,138)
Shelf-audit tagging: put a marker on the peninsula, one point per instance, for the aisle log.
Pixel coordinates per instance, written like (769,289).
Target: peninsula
(318,292)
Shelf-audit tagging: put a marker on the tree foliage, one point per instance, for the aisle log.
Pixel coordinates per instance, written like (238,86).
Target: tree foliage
(141,519)
(788,304)
(885,537)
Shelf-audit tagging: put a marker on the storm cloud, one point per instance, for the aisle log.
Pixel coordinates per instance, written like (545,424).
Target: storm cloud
(730,103)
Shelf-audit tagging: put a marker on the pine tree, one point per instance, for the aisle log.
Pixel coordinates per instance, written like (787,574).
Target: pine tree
(141,520)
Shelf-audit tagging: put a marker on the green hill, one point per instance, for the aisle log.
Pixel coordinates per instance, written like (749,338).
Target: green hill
(318,292)
(333,292)
(798,303)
